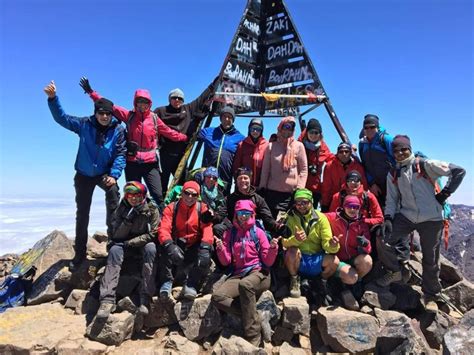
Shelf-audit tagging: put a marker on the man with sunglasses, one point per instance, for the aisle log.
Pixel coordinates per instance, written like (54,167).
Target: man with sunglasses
(185,241)
(144,129)
(184,118)
(100,161)
(414,202)
(375,150)
(335,172)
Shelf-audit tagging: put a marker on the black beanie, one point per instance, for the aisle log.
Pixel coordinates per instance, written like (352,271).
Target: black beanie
(103,105)
(344,145)
(371,119)
(400,142)
(353,175)
(314,124)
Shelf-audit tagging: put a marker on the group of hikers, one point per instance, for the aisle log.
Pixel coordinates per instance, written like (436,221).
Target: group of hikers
(295,206)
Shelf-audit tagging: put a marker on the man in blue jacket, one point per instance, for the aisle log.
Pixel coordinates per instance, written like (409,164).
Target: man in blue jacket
(100,161)
(220,145)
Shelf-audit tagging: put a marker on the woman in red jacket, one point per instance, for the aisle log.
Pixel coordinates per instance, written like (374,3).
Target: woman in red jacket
(144,128)
(317,153)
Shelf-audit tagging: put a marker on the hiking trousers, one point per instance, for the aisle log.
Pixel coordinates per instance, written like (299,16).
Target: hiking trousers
(150,172)
(110,279)
(430,233)
(239,295)
(85,186)
(168,167)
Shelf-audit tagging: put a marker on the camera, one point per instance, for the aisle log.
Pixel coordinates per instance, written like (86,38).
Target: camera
(132,148)
(313,169)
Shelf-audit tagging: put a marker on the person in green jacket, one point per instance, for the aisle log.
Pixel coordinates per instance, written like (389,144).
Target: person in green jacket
(311,247)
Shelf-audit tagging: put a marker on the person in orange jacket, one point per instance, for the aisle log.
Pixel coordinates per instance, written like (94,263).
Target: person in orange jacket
(185,241)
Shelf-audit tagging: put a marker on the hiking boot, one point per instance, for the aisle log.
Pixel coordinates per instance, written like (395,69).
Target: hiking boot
(295,290)
(75,263)
(142,312)
(165,289)
(348,300)
(389,277)
(189,292)
(430,303)
(105,309)
(406,273)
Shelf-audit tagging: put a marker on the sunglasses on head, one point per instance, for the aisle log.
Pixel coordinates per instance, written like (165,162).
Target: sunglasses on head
(370,127)
(177,98)
(190,194)
(352,207)
(314,131)
(104,113)
(302,202)
(142,100)
(244,213)
(401,150)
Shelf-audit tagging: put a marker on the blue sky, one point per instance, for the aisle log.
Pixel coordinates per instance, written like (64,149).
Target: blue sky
(409,61)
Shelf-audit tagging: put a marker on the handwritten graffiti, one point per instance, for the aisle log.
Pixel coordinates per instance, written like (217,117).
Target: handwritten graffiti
(248,48)
(292,101)
(235,72)
(290,75)
(277,25)
(284,50)
(252,26)
(242,103)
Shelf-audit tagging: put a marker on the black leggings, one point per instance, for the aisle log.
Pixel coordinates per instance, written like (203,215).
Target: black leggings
(151,175)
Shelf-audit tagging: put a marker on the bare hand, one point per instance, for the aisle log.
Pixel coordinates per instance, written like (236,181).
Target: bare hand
(375,189)
(274,243)
(219,244)
(300,234)
(50,90)
(109,181)
(334,242)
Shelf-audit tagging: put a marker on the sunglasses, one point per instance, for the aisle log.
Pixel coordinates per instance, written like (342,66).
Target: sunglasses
(288,126)
(134,195)
(190,194)
(142,101)
(402,150)
(104,113)
(370,127)
(344,151)
(211,177)
(177,98)
(352,207)
(244,213)
(255,129)
(314,131)
(354,180)
(302,202)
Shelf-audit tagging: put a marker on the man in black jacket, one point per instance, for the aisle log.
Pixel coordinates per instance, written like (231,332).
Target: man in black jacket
(135,226)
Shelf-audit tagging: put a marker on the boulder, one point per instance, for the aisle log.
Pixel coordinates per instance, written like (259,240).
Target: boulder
(161,313)
(267,305)
(407,297)
(347,331)
(281,335)
(383,300)
(434,326)
(235,346)
(112,330)
(96,249)
(449,273)
(296,315)
(80,347)
(386,316)
(181,344)
(461,295)
(400,334)
(286,348)
(75,301)
(232,325)
(51,285)
(88,271)
(199,318)
(101,237)
(459,339)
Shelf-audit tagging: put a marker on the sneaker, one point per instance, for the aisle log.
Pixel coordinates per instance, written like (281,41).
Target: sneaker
(105,309)
(165,289)
(189,292)
(349,301)
(389,277)
(430,304)
(295,290)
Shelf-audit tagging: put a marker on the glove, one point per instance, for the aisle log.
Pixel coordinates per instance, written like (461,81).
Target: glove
(362,243)
(207,217)
(442,196)
(84,83)
(284,231)
(175,253)
(387,228)
(204,256)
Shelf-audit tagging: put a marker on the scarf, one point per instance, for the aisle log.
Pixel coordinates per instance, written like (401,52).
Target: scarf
(210,195)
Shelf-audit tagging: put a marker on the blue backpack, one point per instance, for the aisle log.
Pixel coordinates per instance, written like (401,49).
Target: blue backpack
(13,290)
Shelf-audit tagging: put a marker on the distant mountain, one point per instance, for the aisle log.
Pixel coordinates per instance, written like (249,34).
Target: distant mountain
(461,243)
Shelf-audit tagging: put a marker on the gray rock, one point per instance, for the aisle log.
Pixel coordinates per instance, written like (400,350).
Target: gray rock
(449,273)
(198,319)
(296,315)
(181,344)
(400,334)
(235,346)
(367,310)
(126,304)
(461,294)
(76,301)
(266,303)
(101,237)
(80,347)
(459,339)
(95,249)
(281,335)
(232,325)
(112,330)
(87,273)
(408,297)
(161,313)
(434,326)
(286,348)
(386,316)
(50,285)
(383,300)
(347,331)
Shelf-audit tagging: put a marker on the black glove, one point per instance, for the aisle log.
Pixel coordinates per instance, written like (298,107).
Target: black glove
(284,231)
(362,243)
(324,209)
(207,217)
(204,256)
(175,253)
(442,196)
(387,228)
(84,83)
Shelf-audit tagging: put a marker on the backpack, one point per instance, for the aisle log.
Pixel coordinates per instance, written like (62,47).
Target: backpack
(419,169)
(13,290)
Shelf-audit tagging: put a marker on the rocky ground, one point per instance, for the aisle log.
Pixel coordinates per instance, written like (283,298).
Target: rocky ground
(59,318)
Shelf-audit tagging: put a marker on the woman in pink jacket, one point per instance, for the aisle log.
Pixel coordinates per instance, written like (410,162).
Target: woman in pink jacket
(246,249)
(285,168)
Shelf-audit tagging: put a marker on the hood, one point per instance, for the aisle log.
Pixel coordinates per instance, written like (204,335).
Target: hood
(286,120)
(247,205)
(142,93)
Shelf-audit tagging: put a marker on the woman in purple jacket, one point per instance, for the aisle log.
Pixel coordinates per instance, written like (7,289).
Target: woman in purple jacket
(246,249)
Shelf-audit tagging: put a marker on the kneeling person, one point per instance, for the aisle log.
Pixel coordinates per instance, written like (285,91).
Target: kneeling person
(310,244)
(185,241)
(135,224)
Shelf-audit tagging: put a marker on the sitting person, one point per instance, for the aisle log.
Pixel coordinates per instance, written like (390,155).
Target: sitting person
(135,224)
(246,249)
(354,239)
(185,241)
(309,248)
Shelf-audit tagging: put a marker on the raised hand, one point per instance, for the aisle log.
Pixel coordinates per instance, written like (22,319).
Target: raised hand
(274,243)
(84,83)
(334,242)
(50,89)
(300,234)
(219,244)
